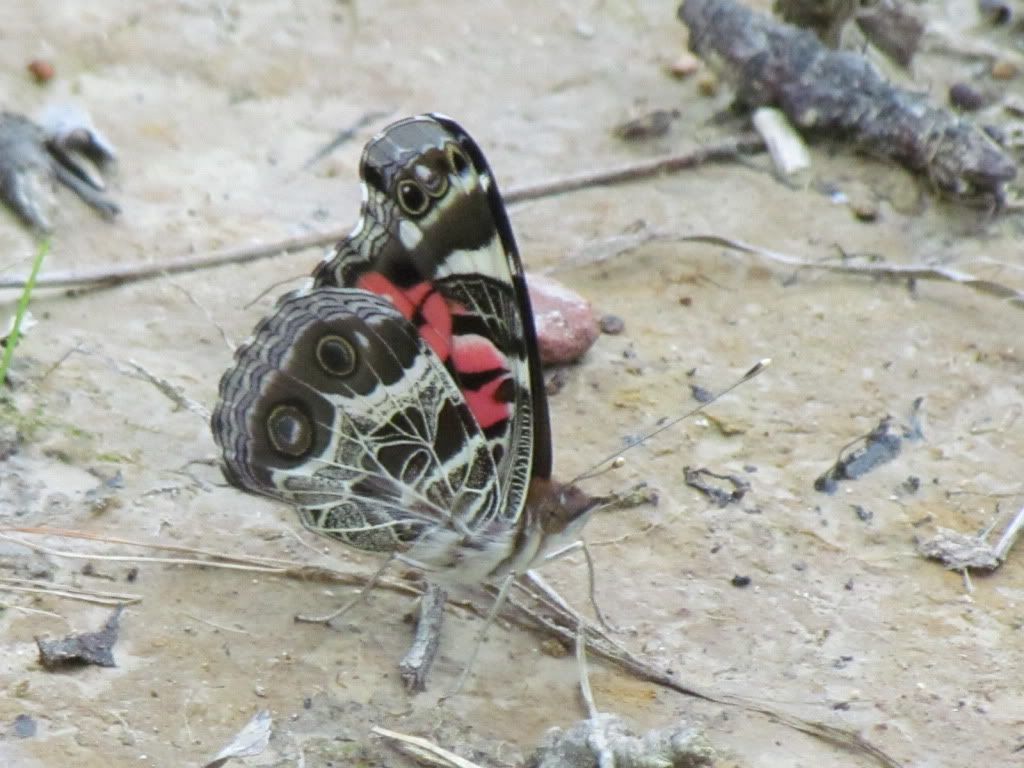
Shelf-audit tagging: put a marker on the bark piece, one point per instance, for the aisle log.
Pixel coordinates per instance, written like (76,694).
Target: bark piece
(838,93)
(85,648)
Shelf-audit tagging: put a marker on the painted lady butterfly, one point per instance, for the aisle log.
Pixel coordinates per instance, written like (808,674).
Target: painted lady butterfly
(398,404)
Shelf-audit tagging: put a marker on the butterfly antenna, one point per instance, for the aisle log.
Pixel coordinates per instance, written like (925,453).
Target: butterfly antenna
(595,470)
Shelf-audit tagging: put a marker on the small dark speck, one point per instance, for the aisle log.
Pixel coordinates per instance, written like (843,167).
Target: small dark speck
(700,394)
(799,565)
(740,581)
(848,586)
(131,575)
(842,661)
(612,324)
(749,469)
(911,485)
(24,727)
(863,513)
(841,706)
(715,549)
(307,703)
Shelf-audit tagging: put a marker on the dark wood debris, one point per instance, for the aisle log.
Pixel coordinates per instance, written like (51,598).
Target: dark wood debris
(81,649)
(839,94)
(730,490)
(879,446)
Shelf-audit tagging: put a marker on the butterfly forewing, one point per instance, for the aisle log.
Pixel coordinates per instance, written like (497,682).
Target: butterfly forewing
(435,239)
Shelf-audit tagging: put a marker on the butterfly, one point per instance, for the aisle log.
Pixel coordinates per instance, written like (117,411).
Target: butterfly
(398,404)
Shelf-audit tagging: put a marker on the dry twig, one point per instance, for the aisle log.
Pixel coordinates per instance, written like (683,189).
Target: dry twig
(109,275)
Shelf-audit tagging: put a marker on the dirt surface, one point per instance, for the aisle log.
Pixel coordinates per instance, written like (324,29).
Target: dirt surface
(216,107)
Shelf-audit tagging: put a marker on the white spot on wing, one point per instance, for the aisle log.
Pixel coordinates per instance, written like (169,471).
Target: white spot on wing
(410,234)
(489,260)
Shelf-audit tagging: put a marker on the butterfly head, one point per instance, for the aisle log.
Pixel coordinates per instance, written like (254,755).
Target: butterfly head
(561,509)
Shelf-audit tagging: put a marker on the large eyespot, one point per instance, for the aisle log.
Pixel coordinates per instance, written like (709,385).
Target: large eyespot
(457,160)
(436,184)
(412,198)
(290,431)
(336,355)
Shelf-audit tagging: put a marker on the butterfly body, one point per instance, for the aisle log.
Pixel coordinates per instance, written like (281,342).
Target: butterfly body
(398,403)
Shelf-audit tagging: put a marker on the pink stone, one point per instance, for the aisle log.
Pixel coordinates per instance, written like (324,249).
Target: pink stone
(566,327)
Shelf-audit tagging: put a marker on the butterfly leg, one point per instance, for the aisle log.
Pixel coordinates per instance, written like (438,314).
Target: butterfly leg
(346,607)
(492,614)
(591,581)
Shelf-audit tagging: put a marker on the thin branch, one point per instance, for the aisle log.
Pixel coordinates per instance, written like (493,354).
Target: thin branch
(888,271)
(558,623)
(109,276)
(424,750)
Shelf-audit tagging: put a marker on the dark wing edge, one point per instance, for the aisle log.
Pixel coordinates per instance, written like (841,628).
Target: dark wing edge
(542,452)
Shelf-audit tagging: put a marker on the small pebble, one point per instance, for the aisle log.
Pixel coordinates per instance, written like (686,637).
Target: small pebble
(24,727)
(556,382)
(613,325)
(740,581)
(862,201)
(1002,69)
(650,126)
(585,30)
(966,97)
(707,85)
(995,12)
(566,327)
(42,71)
(863,513)
(684,66)
(549,646)
(701,394)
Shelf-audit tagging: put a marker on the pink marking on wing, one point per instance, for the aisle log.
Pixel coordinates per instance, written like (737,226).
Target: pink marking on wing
(437,330)
(475,354)
(421,298)
(375,282)
(485,407)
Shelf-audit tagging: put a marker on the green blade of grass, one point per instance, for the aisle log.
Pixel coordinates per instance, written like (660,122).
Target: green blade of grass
(26,294)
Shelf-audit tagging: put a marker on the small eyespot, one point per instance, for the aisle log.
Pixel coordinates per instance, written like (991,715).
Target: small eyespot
(458,161)
(290,431)
(412,198)
(435,184)
(336,355)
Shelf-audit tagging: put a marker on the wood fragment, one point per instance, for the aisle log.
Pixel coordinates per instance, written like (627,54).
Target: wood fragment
(424,750)
(960,552)
(415,665)
(82,648)
(787,149)
(252,740)
(839,93)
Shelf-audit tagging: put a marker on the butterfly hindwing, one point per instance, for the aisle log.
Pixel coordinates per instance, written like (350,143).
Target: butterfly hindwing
(338,406)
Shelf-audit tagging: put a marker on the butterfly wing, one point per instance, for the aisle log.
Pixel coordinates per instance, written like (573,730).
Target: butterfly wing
(435,239)
(338,406)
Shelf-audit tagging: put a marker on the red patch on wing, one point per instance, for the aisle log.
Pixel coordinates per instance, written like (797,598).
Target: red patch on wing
(467,354)
(476,354)
(486,408)
(421,299)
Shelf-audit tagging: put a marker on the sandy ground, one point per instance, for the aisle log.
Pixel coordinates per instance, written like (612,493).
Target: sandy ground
(215,108)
